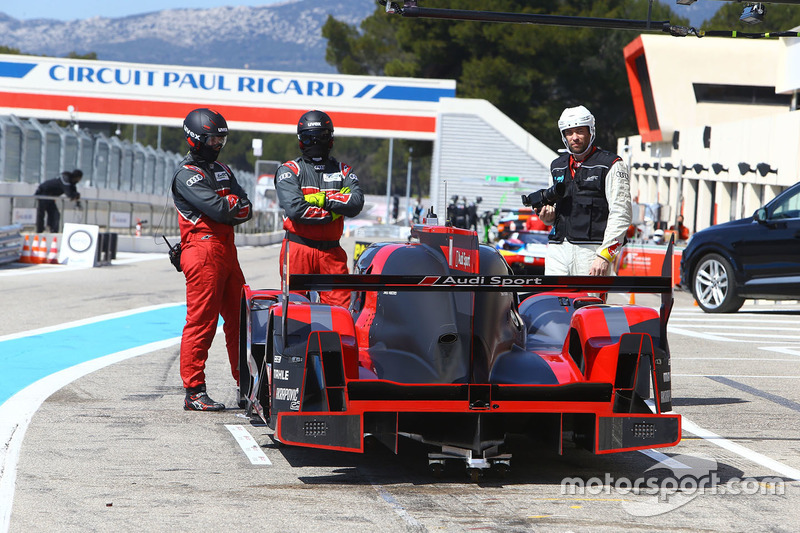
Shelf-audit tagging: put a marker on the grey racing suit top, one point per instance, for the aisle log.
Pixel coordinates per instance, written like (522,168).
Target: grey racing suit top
(299,177)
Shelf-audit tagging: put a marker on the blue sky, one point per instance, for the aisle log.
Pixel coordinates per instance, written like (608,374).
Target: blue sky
(83,9)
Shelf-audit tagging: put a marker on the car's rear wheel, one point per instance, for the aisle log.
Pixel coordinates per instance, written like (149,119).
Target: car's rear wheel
(713,285)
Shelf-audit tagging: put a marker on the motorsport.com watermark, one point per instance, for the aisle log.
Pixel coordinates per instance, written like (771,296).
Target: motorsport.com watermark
(691,476)
(665,487)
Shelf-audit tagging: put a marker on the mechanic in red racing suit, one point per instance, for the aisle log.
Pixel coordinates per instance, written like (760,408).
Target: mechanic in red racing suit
(316,192)
(210,202)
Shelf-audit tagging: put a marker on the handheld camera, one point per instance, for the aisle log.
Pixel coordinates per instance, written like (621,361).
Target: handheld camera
(543,197)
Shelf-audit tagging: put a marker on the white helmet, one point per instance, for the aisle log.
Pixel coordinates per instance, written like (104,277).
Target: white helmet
(574,117)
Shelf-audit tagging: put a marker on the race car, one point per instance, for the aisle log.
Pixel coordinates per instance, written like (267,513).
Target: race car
(511,221)
(443,345)
(524,251)
(523,219)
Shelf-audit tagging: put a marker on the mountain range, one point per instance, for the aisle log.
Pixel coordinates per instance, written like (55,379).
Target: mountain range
(283,37)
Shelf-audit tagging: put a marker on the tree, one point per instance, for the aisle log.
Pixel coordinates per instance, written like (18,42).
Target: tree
(529,72)
(776,18)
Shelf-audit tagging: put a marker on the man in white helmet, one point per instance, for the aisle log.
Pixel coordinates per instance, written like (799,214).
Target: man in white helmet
(591,218)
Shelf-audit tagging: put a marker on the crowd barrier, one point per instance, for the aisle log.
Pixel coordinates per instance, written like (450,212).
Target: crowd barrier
(10,243)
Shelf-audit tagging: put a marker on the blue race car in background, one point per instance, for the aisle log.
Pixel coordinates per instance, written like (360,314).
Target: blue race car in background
(524,251)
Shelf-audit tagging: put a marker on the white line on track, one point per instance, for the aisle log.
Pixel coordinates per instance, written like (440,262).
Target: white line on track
(249,445)
(666,460)
(788,350)
(740,326)
(83,322)
(758,338)
(761,359)
(732,376)
(738,449)
(399,509)
(693,320)
(16,412)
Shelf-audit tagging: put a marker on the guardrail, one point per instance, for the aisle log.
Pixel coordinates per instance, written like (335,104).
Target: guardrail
(10,243)
(125,217)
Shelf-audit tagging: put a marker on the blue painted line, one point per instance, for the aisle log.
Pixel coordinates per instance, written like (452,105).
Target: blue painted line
(15,70)
(26,360)
(417,94)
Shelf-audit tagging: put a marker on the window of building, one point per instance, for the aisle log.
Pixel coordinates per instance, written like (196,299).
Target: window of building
(710,93)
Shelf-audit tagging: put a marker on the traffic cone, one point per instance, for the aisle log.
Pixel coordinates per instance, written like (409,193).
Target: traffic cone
(52,256)
(25,257)
(632,299)
(41,255)
(35,250)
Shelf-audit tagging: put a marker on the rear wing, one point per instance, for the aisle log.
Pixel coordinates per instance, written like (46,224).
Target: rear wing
(477,283)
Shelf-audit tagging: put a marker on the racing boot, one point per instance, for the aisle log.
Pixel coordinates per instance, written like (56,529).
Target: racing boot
(198,400)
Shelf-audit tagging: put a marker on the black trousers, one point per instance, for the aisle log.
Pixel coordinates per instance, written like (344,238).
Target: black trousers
(47,207)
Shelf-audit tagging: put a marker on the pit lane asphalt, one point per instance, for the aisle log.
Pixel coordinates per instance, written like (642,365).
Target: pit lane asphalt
(114,451)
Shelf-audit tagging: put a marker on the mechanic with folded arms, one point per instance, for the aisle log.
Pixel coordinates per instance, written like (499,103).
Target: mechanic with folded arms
(316,192)
(210,202)
(590,221)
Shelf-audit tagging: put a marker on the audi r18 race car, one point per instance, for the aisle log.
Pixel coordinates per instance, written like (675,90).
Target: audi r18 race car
(524,251)
(441,344)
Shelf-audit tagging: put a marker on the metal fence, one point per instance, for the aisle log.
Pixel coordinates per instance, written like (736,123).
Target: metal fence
(32,152)
(123,216)
(125,185)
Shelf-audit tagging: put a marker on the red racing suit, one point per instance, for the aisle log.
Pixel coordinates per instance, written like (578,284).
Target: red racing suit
(210,202)
(314,232)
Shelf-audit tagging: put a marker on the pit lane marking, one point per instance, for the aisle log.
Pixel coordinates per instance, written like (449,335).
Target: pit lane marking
(753,376)
(788,350)
(759,337)
(17,411)
(677,316)
(249,445)
(739,327)
(738,449)
(665,460)
(397,507)
(760,359)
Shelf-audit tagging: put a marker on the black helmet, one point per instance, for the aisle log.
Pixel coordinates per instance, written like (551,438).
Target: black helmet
(315,133)
(201,125)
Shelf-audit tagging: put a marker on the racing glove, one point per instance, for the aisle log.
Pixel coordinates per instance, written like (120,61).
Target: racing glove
(244,209)
(343,190)
(241,206)
(316,199)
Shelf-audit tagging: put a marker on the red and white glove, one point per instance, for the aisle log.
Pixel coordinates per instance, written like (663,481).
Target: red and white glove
(243,206)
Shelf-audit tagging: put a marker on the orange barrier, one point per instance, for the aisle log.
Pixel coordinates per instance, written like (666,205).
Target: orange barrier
(647,260)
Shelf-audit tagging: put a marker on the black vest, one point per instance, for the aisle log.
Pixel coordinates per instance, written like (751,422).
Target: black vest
(582,215)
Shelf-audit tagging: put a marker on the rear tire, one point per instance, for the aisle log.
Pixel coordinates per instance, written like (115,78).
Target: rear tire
(713,285)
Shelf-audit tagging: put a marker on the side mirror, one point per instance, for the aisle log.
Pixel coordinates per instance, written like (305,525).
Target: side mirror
(760,215)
